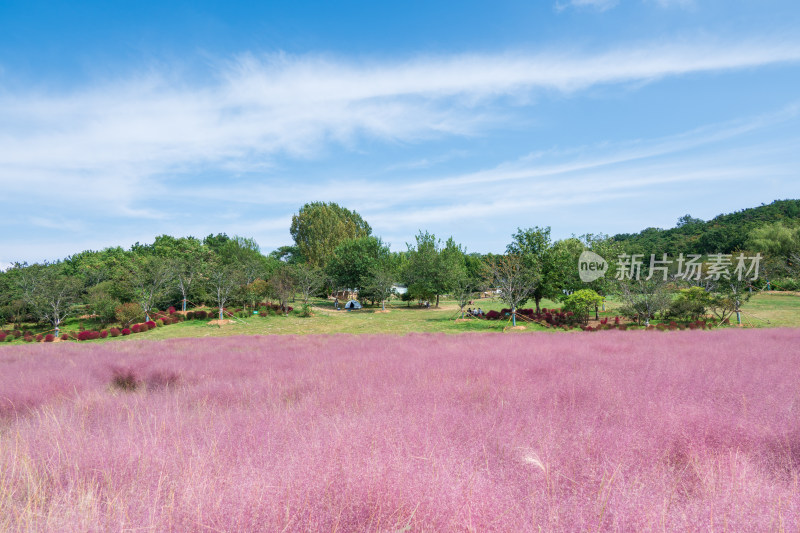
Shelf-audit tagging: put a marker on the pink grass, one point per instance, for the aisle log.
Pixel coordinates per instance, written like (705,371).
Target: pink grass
(620,431)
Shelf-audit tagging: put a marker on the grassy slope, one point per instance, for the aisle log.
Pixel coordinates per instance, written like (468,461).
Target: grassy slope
(763,310)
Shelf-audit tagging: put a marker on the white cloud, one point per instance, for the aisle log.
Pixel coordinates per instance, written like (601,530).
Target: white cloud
(261,107)
(111,150)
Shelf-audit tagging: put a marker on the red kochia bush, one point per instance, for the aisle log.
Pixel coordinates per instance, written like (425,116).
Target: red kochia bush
(150,324)
(114,332)
(171,310)
(125,331)
(136,328)
(88,335)
(492,315)
(2,336)
(49,337)
(104,334)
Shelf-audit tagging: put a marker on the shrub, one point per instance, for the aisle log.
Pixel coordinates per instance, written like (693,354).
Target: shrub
(136,328)
(10,338)
(39,337)
(492,315)
(129,313)
(160,322)
(125,380)
(49,337)
(114,332)
(125,331)
(3,336)
(65,337)
(151,324)
(581,303)
(88,335)
(171,310)
(200,315)
(16,333)
(28,338)
(262,313)
(104,334)
(189,315)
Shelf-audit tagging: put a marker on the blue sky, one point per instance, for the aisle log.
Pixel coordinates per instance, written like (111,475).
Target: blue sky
(120,121)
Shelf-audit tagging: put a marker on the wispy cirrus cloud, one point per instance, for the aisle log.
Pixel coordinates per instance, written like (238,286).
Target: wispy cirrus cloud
(113,149)
(257,107)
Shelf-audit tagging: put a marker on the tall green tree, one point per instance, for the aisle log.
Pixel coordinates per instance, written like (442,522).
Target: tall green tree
(319,227)
(780,242)
(536,250)
(354,260)
(149,278)
(433,269)
(48,293)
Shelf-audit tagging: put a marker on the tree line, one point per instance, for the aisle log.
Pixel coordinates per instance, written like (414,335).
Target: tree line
(335,251)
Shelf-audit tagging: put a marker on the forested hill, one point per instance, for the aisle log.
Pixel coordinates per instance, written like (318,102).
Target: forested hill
(722,234)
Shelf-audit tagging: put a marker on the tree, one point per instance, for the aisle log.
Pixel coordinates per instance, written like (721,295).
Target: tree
(223,279)
(691,303)
(288,254)
(353,260)
(149,276)
(534,247)
(728,296)
(309,279)
(380,279)
(515,278)
(235,263)
(643,298)
(258,290)
(283,284)
(101,302)
(781,243)
(188,258)
(48,293)
(319,227)
(462,290)
(432,269)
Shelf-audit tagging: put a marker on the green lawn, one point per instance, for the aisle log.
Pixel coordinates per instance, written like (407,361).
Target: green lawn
(763,310)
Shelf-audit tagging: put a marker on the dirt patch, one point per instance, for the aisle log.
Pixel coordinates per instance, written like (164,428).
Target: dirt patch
(218,322)
(514,328)
(382,311)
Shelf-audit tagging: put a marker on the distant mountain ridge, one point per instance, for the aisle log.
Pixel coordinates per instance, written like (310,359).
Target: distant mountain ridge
(724,233)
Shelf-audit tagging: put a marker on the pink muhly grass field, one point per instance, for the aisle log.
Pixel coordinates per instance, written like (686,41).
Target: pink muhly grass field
(615,431)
